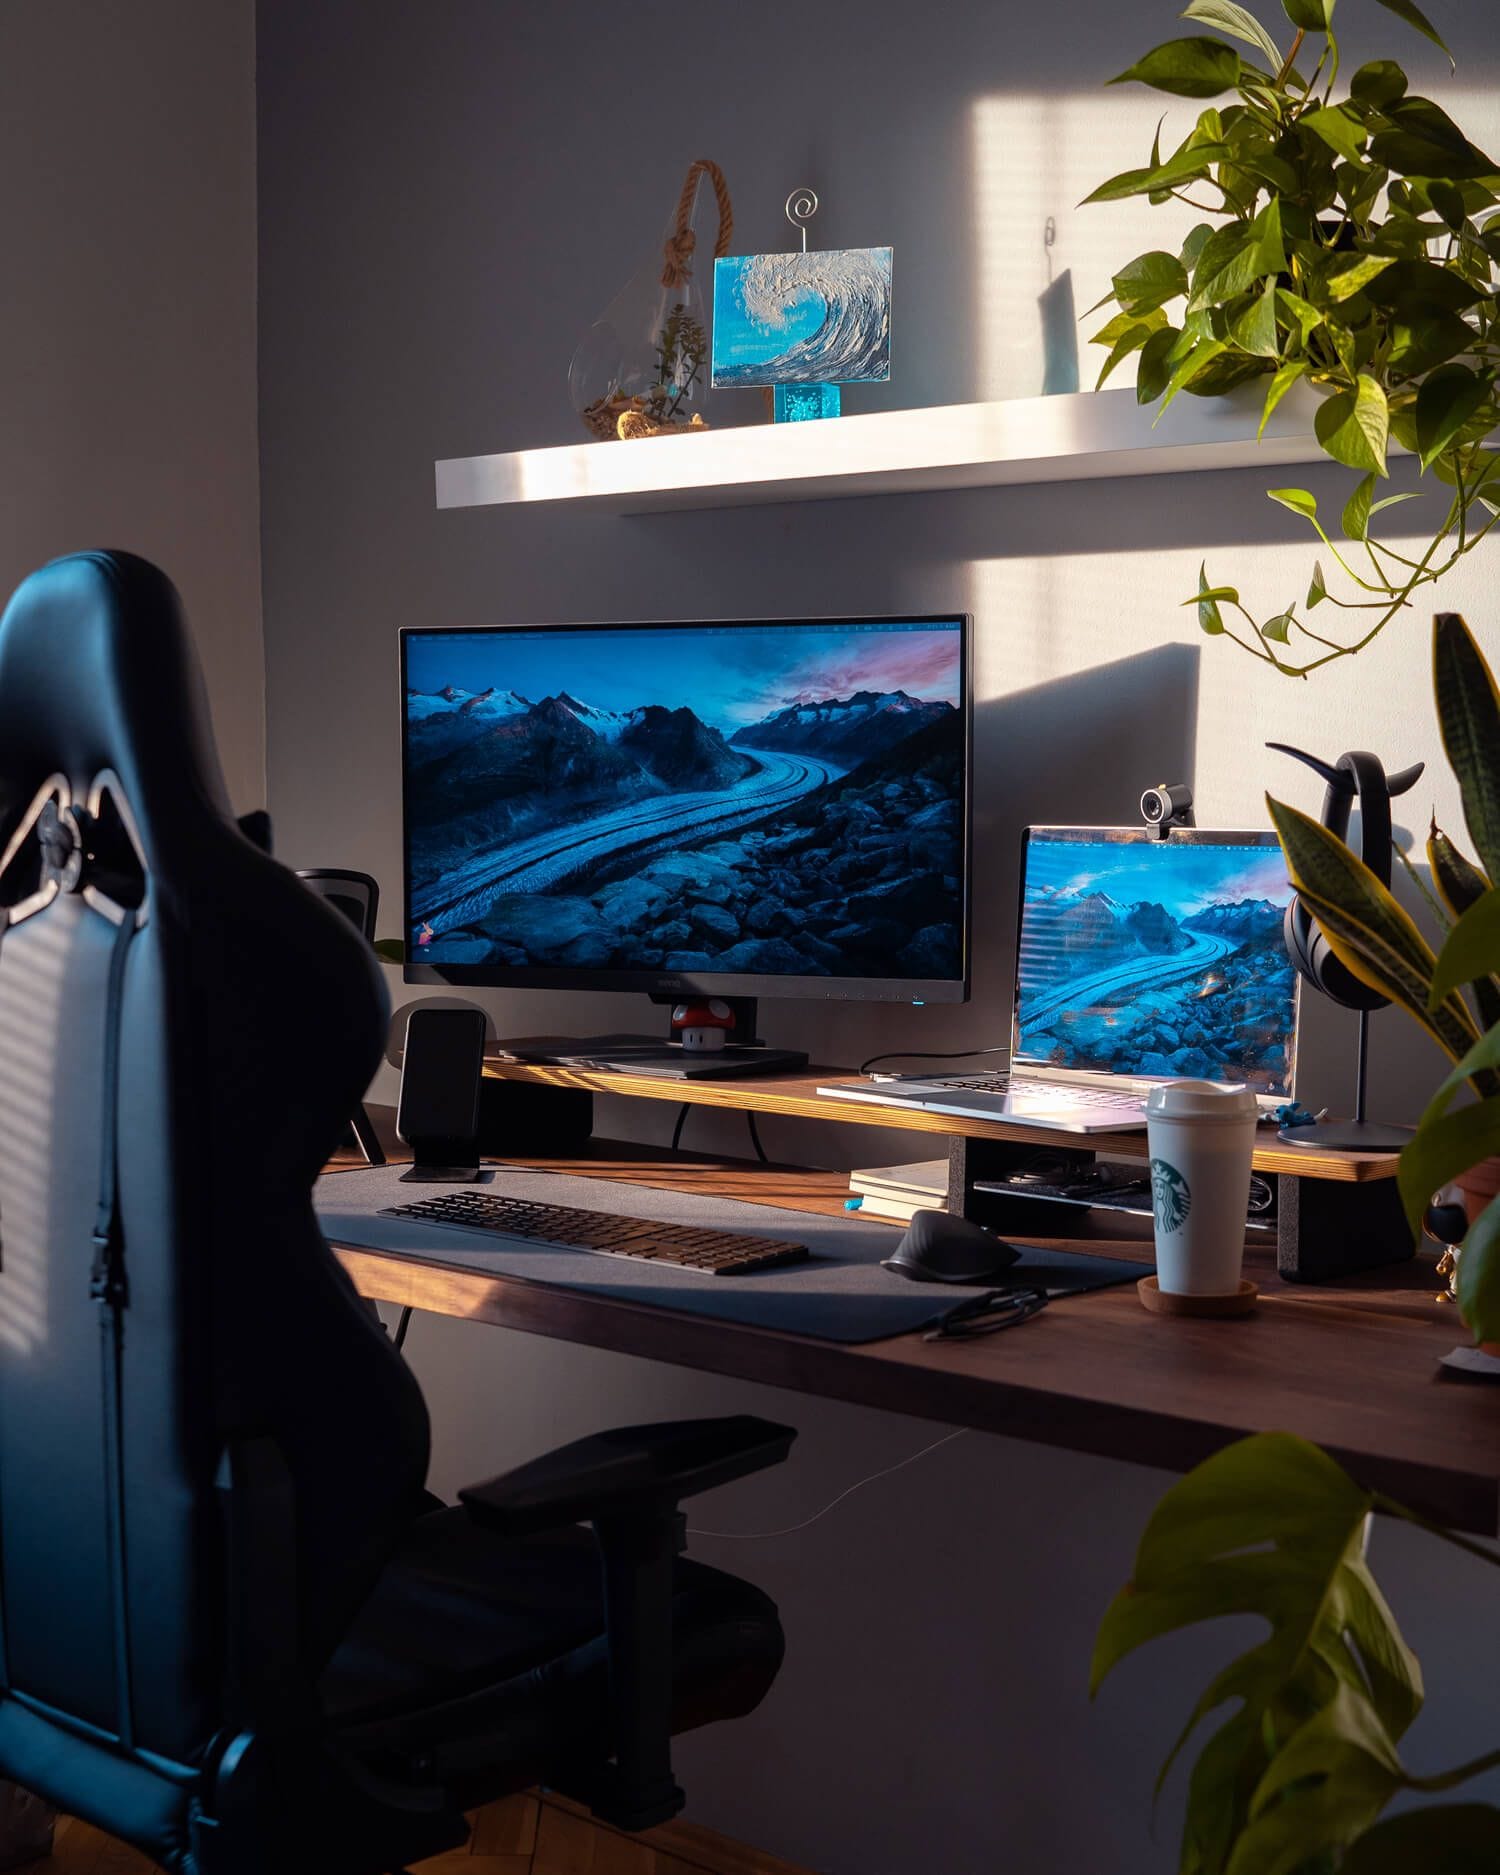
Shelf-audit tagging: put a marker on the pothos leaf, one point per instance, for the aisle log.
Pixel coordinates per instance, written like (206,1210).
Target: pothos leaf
(1354,426)
(1283,381)
(1233,19)
(1414,16)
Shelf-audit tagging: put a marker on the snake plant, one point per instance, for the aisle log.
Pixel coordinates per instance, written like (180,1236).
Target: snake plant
(1453,992)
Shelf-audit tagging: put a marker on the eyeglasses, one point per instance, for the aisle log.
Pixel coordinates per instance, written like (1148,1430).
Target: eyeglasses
(987,1314)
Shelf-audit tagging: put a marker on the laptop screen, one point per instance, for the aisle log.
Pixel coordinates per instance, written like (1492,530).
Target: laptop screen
(1156,958)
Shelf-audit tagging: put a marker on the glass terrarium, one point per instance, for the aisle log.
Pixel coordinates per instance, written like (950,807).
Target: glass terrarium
(641,369)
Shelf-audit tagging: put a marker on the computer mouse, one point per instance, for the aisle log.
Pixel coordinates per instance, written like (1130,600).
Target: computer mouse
(938,1248)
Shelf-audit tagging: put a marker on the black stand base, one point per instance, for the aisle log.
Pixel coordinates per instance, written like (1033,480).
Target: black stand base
(1347,1136)
(440,1175)
(1325,1228)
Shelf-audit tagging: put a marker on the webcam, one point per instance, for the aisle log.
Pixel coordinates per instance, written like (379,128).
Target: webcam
(1167,806)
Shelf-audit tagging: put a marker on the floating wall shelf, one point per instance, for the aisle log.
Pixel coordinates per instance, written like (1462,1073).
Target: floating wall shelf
(1079,437)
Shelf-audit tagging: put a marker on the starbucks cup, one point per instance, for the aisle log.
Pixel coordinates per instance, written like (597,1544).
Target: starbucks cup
(1201,1137)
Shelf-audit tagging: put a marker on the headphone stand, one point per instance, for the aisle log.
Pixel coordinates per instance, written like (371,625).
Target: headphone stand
(1358,1134)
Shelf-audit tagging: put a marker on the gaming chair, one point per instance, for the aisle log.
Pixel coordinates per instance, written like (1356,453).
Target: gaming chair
(233,1629)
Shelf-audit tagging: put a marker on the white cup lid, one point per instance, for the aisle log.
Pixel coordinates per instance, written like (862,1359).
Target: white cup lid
(1201,1100)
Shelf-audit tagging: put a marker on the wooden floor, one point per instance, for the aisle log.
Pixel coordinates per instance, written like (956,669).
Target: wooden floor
(528,1835)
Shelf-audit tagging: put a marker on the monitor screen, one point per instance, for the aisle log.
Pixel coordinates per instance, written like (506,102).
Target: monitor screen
(773,807)
(1156,958)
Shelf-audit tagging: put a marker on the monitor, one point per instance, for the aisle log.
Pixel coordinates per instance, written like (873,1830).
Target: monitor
(771,807)
(1157,958)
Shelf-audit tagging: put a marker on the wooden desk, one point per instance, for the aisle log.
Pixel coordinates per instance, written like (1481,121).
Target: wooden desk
(1352,1367)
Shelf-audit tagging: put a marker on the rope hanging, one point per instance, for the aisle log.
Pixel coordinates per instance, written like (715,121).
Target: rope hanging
(678,252)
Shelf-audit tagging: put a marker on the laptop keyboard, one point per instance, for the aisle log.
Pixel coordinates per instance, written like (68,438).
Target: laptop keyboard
(1051,1091)
(711,1252)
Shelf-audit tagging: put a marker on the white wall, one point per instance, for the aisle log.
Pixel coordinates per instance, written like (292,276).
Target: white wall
(127,315)
(448,196)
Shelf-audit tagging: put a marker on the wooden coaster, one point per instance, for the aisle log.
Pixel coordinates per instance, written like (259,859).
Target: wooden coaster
(1162,1302)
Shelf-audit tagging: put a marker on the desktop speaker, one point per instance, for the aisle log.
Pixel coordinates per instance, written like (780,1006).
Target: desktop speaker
(438,1113)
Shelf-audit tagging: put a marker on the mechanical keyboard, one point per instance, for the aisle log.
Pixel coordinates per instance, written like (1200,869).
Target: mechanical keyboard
(710,1252)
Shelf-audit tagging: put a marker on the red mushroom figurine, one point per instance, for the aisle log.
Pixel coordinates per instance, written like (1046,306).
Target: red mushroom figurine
(701,1027)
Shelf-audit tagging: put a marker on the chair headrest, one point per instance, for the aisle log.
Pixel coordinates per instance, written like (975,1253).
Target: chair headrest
(98,673)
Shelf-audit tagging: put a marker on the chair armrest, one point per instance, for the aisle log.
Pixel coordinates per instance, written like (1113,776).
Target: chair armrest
(628,1484)
(626,1471)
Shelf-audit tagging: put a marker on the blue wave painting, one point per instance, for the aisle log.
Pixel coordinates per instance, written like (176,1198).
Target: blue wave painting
(816,318)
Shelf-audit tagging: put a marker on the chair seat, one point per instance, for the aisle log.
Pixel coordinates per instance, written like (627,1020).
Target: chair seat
(494,1649)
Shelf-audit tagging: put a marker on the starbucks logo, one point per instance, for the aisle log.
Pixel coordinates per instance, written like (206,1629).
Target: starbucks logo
(1171,1196)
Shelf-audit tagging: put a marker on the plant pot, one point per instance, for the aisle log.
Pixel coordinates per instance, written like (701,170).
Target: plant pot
(1479,1186)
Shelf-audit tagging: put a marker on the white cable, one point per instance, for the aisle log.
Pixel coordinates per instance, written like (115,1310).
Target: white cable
(760,1536)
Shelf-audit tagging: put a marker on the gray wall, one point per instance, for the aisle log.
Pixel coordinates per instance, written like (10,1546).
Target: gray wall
(127,315)
(448,196)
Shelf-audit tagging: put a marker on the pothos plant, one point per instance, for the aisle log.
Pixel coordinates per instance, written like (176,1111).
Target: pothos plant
(1309,1721)
(1351,245)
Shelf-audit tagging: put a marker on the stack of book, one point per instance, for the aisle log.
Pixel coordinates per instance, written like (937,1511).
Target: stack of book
(896,1191)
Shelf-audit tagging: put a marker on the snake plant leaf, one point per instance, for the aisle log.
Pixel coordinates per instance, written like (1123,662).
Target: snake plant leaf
(1414,16)
(1376,961)
(1283,381)
(1232,19)
(1481,1061)
(1378,84)
(1369,932)
(1472,948)
(1441,1150)
(1445,403)
(1354,426)
(1458,882)
(1468,707)
(1458,1838)
(1325,1786)
(1187,68)
(1479,1274)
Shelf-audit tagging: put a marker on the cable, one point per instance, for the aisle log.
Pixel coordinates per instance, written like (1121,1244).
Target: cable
(761,1536)
(403,1322)
(682,1113)
(760,1151)
(920,1054)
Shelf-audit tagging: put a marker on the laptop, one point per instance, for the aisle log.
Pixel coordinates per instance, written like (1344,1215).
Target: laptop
(1139,960)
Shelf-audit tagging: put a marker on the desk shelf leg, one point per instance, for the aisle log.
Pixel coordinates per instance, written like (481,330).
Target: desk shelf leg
(1327,1228)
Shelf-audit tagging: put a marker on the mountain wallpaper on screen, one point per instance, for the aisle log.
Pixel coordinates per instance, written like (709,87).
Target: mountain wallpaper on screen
(728,800)
(1157,960)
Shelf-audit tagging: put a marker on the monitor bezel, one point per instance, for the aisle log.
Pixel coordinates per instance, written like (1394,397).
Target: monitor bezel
(1262,837)
(668,983)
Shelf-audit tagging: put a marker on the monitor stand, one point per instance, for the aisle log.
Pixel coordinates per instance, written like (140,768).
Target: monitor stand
(662,1059)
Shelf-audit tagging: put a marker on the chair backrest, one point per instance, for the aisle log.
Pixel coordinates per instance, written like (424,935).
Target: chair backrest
(184,1030)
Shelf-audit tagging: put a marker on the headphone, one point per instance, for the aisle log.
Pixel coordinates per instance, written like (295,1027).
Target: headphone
(1355,776)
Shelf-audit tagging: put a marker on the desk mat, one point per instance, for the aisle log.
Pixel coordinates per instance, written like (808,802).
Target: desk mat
(840,1294)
